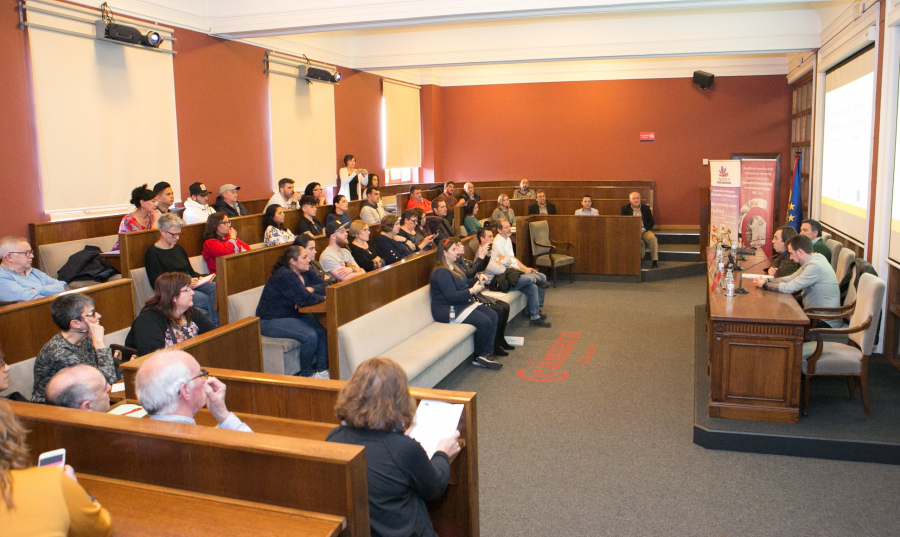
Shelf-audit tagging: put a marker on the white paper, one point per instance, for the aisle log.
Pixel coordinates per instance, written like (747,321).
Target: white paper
(748,276)
(434,421)
(132,411)
(515,341)
(118,387)
(204,280)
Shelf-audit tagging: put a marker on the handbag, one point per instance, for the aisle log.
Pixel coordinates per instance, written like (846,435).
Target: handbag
(486,300)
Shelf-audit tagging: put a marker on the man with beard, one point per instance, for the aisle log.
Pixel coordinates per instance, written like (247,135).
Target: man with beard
(336,259)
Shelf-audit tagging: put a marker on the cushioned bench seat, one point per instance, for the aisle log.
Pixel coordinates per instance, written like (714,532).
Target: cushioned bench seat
(281,356)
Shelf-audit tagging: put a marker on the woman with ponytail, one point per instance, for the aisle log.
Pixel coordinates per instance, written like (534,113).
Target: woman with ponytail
(291,287)
(144,215)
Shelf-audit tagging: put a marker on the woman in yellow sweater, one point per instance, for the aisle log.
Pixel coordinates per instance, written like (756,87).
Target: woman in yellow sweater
(41,501)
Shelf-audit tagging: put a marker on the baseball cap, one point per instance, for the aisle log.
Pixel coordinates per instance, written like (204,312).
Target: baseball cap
(198,189)
(334,226)
(228,186)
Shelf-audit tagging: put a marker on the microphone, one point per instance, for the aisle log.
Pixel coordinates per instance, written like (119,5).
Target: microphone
(740,289)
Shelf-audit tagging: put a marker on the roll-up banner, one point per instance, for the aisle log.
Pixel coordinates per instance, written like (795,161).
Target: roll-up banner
(724,201)
(742,194)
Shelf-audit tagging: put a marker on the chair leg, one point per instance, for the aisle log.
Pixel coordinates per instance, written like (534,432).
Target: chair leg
(850,382)
(805,403)
(864,388)
(571,279)
(554,277)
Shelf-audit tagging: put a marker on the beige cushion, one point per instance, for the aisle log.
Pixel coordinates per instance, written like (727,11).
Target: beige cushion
(281,356)
(54,256)
(142,288)
(242,305)
(199,264)
(836,359)
(560,260)
(845,259)
(540,233)
(21,379)
(440,345)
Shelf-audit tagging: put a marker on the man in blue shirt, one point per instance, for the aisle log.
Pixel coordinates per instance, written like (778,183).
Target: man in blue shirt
(18,281)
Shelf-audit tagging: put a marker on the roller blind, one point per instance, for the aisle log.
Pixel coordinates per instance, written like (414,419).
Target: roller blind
(403,125)
(303,130)
(105,112)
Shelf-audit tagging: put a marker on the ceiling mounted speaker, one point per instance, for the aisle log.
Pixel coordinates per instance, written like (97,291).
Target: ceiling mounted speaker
(703,79)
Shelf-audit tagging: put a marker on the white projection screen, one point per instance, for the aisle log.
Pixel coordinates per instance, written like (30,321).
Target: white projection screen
(105,113)
(847,144)
(894,252)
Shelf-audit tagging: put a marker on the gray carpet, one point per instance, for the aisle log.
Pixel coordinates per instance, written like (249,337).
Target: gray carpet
(608,450)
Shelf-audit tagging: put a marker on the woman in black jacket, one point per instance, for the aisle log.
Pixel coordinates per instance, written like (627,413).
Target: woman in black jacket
(501,308)
(387,244)
(452,291)
(168,317)
(363,253)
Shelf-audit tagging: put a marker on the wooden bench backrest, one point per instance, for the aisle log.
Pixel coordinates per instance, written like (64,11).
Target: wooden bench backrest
(42,233)
(277,470)
(255,206)
(26,326)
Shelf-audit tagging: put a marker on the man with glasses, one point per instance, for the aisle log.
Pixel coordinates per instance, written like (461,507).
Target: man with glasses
(80,341)
(172,387)
(18,281)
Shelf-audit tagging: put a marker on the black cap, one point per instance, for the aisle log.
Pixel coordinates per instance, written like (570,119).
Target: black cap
(198,189)
(334,226)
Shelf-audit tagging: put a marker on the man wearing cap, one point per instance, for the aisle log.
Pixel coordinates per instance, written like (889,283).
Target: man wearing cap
(336,259)
(228,203)
(196,208)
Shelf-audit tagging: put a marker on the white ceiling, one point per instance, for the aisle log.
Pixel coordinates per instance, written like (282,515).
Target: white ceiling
(462,42)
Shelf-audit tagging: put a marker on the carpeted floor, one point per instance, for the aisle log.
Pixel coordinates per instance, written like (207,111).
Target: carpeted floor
(608,449)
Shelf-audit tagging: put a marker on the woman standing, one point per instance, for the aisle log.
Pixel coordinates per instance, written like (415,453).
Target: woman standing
(166,255)
(168,317)
(359,246)
(339,211)
(376,410)
(452,290)
(220,239)
(276,233)
(390,245)
(143,217)
(351,180)
(293,286)
(41,501)
(504,211)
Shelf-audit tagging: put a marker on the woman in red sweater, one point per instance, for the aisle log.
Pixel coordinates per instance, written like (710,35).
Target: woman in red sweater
(220,239)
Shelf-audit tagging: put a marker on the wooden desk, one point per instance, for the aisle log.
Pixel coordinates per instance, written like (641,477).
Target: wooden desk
(755,351)
(139,509)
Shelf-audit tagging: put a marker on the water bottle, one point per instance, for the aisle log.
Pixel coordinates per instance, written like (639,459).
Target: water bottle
(729,284)
(452,315)
(721,271)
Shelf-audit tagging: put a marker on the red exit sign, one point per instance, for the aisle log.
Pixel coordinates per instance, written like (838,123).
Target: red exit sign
(648,136)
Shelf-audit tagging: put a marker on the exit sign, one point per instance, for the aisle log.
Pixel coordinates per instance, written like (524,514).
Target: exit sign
(648,136)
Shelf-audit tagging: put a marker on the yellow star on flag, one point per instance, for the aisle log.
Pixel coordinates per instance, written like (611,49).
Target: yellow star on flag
(790,218)
(790,206)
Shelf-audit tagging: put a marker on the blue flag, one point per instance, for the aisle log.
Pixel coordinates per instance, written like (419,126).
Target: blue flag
(795,204)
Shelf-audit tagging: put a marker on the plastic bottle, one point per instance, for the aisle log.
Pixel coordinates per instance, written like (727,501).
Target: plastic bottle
(452,315)
(729,284)
(722,271)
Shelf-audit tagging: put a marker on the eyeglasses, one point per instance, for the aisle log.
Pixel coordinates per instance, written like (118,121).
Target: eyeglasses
(203,373)
(175,235)
(25,253)
(185,290)
(225,223)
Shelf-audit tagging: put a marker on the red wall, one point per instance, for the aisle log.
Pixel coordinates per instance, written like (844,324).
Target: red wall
(357,116)
(589,130)
(431,104)
(222,102)
(20,180)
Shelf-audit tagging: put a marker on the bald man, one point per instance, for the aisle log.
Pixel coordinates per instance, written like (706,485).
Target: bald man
(469,193)
(172,387)
(80,386)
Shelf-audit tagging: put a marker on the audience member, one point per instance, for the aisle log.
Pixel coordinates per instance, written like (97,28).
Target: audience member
(339,211)
(273,221)
(291,287)
(285,195)
(364,256)
(470,222)
(636,208)
(43,500)
(437,224)
(308,222)
(166,255)
(370,212)
(18,281)
(417,200)
(389,245)
(409,230)
(168,317)
(376,409)
(79,341)
(144,215)
(227,202)
(813,229)
(541,207)
(471,270)
(447,195)
(451,289)
(196,208)
(315,190)
(375,182)
(587,207)
(815,279)
(783,265)
(336,259)
(4,380)
(351,180)
(505,273)
(468,193)
(309,244)
(165,197)
(220,239)
(504,211)
(523,192)
(172,387)
(79,386)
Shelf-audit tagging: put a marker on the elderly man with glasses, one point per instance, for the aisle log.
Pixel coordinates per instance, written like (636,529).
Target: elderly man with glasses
(171,387)
(18,281)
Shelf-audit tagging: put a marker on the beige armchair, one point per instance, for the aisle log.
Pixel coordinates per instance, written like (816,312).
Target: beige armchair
(543,248)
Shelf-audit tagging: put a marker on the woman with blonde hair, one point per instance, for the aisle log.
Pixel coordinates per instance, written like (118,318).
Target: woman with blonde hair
(376,410)
(363,254)
(41,501)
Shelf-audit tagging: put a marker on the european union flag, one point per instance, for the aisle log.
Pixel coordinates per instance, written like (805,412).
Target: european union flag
(795,205)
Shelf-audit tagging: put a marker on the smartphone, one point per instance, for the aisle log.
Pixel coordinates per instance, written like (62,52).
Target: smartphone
(57,457)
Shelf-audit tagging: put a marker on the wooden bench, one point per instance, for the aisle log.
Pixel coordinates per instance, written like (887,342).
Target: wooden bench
(293,473)
(25,327)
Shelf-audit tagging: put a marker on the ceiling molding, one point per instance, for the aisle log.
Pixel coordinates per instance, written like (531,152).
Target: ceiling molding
(188,14)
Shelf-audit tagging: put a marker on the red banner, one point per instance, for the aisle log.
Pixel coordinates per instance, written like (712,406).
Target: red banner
(757,203)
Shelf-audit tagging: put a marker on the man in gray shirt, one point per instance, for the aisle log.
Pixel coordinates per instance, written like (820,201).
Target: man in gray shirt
(336,259)
(815,278)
